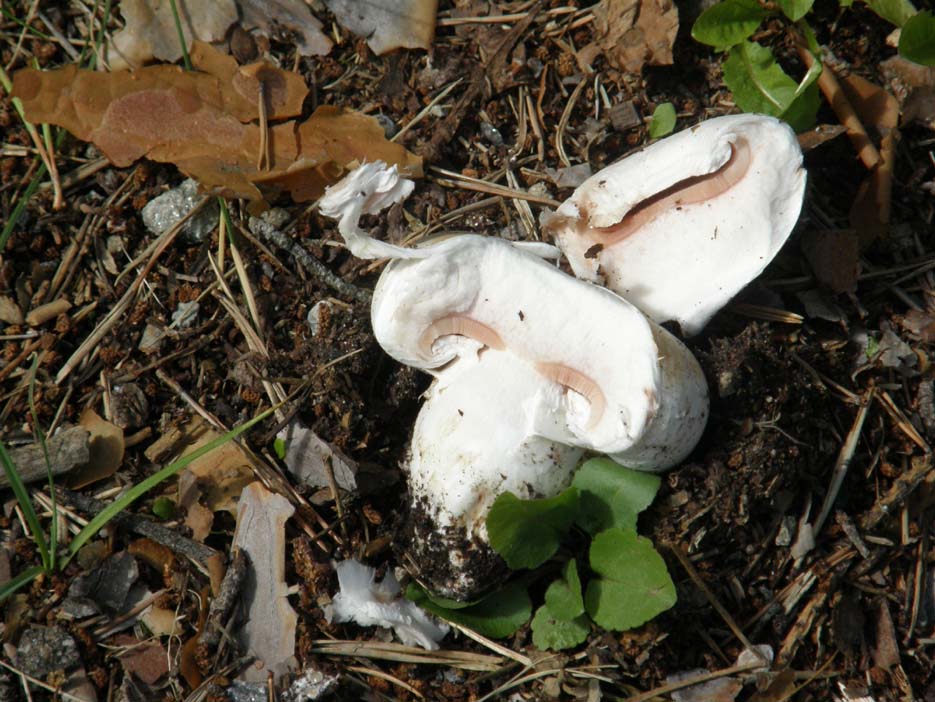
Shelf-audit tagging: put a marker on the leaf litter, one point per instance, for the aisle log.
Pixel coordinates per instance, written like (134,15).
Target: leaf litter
(202,121)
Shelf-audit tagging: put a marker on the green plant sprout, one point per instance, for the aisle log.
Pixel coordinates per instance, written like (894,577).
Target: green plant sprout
(627,582)
(751,72)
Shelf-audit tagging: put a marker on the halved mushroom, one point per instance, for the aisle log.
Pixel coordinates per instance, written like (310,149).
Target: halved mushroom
(533,367)
(624,376)
(682,226)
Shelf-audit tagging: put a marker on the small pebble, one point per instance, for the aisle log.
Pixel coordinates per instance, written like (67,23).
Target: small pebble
(491,134)
(389,126)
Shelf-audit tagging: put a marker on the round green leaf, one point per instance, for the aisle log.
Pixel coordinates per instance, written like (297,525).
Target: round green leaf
(496,616)
(564,595)
(896,11)
(663,121)
(759,84)
(795,9)
(917,39)
(526,533)
(728,22)
(611,495)
(551,632)
(633,584)
(164,507)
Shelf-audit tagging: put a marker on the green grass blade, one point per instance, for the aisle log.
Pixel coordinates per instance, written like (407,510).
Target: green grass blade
(25,504)
(24,578)
(137,491)
(186,59)
(21,206)
(40,436)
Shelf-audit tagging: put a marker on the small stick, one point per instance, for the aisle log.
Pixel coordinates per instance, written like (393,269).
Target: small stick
(828,84)
(719,608)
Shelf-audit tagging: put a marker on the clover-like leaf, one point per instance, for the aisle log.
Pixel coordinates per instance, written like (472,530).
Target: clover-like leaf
(728,23)
(917,39)
(795,9)
(896,11)
(611,495)
(551,632)
(563,597)
(663,121)
(496,616)
(760,85)
(526,533)
(632,586)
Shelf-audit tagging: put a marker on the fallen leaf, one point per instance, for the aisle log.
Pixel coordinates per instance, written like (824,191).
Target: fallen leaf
(202,122)
(717,690)
(147,660)
(634,33)
(150,30)
(270,627)
(292,15)
(833,255)
(389,24)
(198,518)
(885,649)
(161,621)
(105,450)
(914,87)
(920,324)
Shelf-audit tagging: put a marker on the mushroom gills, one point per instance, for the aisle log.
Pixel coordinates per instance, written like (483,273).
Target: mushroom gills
(689,191)
(578,382)
(460,325)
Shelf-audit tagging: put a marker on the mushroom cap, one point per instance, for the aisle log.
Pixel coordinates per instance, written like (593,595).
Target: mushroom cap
(683,225)
(483,291)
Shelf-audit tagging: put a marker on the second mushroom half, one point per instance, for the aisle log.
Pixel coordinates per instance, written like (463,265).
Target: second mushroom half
(683,225)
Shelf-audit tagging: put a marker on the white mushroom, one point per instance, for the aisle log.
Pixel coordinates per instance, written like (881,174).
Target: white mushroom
(682,226)
(632,390)
(533,367)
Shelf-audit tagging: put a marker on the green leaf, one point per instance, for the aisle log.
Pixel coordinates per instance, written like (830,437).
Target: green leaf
(846,3)
(728,23)
(164,507)
(496,616)
(563,597)
(663,121)
(551,632)
(611,495)
(760,85)
(897,12)
(917,39)
(633,584)
(526,533)
(795,9)
(279,446)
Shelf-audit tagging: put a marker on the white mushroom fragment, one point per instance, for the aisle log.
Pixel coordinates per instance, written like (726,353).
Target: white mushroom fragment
(682,226)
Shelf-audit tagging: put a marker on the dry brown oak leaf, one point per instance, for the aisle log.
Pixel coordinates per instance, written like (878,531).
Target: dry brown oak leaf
(202,121)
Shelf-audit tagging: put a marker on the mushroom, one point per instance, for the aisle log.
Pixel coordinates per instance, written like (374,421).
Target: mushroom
(682,226)
(532,368)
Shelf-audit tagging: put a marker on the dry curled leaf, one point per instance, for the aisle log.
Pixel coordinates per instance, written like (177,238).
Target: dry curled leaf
(270,628)
(105,447)
(150,30)
(389,24)
(633,33)
(202,121)
(290,15)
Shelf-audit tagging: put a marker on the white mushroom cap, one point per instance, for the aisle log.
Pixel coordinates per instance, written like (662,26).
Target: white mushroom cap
(682,226)
(484,291)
